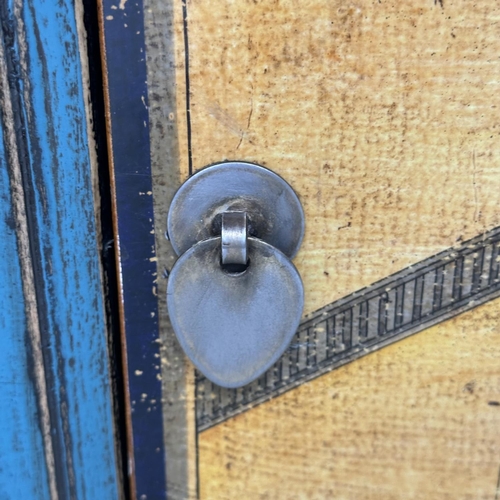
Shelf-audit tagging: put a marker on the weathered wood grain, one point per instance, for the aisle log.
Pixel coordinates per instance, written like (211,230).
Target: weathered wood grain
(417,420)
(49,162)
(23,460)
(382,116)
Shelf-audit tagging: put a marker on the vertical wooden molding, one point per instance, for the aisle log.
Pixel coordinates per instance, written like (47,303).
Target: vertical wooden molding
(50,163)
(28,280)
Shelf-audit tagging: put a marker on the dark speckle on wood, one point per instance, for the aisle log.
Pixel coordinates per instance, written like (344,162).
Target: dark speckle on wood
(469,387)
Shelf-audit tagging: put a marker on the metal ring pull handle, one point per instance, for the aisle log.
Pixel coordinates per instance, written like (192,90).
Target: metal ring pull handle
(234,325)
(234,238)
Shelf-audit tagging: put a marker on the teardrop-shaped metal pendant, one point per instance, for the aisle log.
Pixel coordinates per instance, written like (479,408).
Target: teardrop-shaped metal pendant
(234,326)
(234,299)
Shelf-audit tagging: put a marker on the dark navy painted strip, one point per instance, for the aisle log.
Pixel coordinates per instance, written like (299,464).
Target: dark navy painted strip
(126,73)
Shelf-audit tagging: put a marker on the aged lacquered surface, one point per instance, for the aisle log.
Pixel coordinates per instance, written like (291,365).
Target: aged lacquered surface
(383,116)
(57,427)
(417,420)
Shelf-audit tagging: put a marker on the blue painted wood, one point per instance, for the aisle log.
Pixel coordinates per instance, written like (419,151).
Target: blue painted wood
(131,168)
(23,472)
(49,104)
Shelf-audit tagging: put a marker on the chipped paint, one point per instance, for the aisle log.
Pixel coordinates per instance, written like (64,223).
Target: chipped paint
(57,240)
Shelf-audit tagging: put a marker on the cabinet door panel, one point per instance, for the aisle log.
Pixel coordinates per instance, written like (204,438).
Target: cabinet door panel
(383,117)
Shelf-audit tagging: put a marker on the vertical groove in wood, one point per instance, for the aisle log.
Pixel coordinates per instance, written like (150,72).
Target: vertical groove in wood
(28,280)
(96,180)
(131,476)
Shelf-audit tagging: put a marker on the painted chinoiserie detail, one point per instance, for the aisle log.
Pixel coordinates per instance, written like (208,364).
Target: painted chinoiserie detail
(402,304)
(57,438)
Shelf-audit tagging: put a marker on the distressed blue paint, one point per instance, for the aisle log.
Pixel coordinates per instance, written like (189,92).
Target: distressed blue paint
(127,87)
(66,262)
(23,472)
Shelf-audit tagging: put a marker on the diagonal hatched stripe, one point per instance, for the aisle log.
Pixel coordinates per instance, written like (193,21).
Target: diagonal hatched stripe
(400,305)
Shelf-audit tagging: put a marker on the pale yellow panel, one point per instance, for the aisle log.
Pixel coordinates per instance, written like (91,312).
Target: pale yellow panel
(417,420)
(383,115)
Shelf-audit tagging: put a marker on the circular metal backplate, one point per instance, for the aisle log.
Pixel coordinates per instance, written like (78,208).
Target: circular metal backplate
(274,211)
(233,327)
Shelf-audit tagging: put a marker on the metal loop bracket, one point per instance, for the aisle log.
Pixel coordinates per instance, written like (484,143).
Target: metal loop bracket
(234,238)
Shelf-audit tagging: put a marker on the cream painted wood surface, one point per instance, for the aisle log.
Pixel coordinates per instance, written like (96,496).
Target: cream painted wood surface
(416,420)
(383,116)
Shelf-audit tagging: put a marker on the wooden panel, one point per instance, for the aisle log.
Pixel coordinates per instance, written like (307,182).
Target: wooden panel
(51,167)
(382,115)
(23,468)
(417,420)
